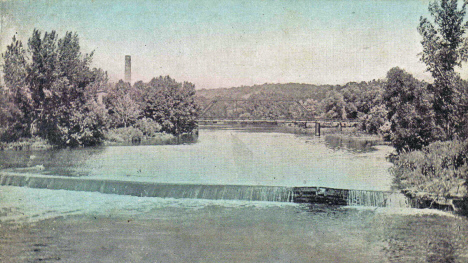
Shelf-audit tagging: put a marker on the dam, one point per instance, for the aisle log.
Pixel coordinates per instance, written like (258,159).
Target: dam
(321,195)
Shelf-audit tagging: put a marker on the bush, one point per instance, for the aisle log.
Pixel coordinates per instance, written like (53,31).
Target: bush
(126,134)
(440,168)
(375,122)
(148,126)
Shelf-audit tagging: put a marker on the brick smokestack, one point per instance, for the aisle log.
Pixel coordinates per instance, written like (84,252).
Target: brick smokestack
(128,68)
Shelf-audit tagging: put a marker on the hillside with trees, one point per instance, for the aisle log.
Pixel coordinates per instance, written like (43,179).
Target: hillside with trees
(350,101)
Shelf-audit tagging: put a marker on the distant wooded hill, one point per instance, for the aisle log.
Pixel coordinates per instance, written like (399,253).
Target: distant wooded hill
(294,91)
(328,101)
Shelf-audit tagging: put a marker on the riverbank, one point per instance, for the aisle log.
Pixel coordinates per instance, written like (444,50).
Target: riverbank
(156,139)
(111,139)
(422,200)
(435,176)
(346,134)
(27,144)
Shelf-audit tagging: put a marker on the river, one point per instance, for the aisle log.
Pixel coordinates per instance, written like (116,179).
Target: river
(70,226)
(222,157)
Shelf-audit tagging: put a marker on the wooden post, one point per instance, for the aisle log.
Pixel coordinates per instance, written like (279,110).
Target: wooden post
(317,129)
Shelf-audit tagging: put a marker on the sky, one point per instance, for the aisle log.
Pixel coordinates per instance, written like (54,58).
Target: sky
(226,43)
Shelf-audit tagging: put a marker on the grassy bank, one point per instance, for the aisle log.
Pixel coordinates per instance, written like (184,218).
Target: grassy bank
(134,136)
(435,176)
(27,144)
(120,136)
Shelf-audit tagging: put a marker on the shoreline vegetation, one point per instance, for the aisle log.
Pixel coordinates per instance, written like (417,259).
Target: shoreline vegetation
(53,98)
(117,137)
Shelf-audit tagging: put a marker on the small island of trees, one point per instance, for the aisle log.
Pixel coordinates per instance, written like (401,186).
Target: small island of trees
(51,93)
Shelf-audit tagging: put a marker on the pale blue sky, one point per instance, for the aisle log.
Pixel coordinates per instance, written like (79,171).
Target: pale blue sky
(232,43)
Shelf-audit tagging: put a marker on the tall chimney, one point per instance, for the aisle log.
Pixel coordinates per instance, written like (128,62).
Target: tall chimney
(128,68)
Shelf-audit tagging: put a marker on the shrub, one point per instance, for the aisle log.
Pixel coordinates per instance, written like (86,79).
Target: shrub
(440,168)
(148,127)
(375,122)
(123,134)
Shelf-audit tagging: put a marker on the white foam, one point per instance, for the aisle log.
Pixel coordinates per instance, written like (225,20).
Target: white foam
(405,211)
(23,205)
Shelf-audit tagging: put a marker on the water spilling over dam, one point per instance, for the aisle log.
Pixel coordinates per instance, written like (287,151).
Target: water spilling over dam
(213,192)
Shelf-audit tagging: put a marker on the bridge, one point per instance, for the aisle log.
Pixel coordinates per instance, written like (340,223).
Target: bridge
(266,112)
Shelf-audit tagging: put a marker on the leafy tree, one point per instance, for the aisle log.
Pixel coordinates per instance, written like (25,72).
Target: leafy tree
(359,98)
(445,47)
(375,122)
(3,107)
(460,116)
(48,83)
(409,111)
(19,102)
(87,124)
(334,105)
(171,104)
(313,108)
(122,103)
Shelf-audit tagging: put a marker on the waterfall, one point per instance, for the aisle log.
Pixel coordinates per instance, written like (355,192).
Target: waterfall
(149,189)
(219,192)
(366,198)
(398,200)
(377,199)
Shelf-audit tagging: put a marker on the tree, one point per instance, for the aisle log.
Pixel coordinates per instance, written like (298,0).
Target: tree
(445,48)
(4,112)
(171,104)
(17,94)
(87,124)
(122,102)
(375,121)
(49,87)
(334,105)
(409,111)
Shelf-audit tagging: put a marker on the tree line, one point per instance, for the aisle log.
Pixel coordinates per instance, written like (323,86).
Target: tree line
(293,101)
(429,121)
(51,92)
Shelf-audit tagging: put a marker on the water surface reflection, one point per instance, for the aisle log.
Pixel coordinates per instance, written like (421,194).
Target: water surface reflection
(223,157)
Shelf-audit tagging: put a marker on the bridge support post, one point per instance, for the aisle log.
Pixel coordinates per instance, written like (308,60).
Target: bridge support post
(317,129)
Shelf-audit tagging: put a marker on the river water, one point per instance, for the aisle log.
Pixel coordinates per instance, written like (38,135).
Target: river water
(151,229)
(222,157)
